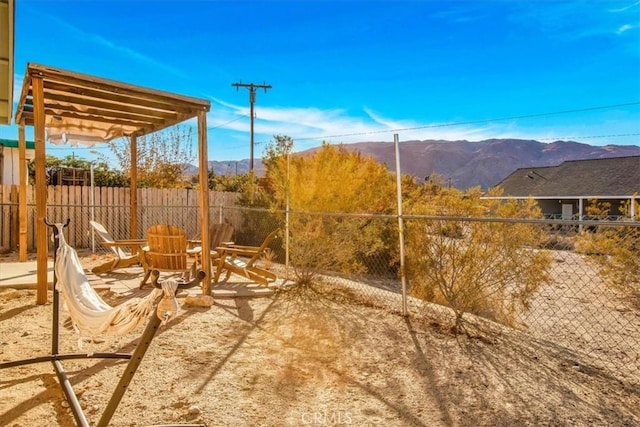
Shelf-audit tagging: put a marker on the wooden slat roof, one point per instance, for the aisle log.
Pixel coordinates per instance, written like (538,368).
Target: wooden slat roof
(93,109)
(616,176)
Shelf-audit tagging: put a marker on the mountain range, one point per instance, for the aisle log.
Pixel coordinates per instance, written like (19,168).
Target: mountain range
(463,164)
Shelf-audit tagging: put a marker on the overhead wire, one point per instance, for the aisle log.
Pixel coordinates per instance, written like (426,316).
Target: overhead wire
(441,125)
(471,122)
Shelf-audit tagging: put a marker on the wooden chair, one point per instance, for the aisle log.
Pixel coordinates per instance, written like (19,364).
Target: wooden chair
(219,234)
(167,252)
(126,252)
(241,260)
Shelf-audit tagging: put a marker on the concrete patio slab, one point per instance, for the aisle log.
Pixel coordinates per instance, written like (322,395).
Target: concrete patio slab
(21,275)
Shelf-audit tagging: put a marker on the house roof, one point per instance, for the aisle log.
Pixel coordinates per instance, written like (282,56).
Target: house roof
(88,109)
(610,177)
(7,17)
(12,143)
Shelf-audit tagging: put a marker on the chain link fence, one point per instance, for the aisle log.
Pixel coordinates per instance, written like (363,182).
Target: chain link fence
(584,295)
(560,287)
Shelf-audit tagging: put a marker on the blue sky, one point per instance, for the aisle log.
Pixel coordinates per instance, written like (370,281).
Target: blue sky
(350,71)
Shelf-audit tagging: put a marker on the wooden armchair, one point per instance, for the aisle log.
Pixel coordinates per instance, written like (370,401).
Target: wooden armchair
(167,252)
(242,260)
(219,234)
(126,252)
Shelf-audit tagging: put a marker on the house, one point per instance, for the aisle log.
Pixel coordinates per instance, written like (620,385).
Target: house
(564,191)
(10,160)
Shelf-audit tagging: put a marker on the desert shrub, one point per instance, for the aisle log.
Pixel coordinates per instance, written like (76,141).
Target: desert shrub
(558,242)
(327,193)
(490,268)
(336,244)
(615,250)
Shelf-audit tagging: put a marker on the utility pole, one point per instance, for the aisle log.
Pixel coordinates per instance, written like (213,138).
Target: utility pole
(252,100)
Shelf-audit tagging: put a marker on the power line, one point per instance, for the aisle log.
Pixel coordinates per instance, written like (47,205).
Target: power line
(617,135)
(230,121)
(471,122)
(551,138)
(100,146)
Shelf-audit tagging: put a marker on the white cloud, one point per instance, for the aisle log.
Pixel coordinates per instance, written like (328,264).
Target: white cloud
(622,9)
(624,28)
(229,127)
(130,53)
(310,126)
(122,50)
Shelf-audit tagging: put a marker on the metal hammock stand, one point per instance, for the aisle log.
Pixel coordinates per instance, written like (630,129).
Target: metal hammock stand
(134,358)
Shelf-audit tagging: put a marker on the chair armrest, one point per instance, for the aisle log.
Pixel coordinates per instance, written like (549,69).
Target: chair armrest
(231,245)
(125,242)
(131,243)
(237,250)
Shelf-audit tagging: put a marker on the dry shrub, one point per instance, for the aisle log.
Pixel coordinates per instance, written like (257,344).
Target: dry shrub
(489,268)
(616,251)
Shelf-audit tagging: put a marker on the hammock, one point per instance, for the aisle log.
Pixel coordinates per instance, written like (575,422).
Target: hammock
(89,313)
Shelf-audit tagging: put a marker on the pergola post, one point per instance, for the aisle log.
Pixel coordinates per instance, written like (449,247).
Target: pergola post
(22,200)
(204,200)
(133,187)
(42,243)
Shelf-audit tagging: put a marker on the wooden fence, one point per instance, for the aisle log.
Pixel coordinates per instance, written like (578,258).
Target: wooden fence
(108,205)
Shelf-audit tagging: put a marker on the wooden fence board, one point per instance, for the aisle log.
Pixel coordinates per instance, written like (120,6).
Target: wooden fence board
(5,230)
(14,222)
(31,216)
(111,208)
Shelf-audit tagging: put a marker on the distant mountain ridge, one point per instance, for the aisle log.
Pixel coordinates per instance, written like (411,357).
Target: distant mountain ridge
(464,164)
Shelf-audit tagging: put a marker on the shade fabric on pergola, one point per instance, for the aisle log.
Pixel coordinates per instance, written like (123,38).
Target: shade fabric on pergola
(74,108)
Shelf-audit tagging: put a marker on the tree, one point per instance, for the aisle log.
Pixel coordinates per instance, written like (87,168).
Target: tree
(231,183)
(163,157)
(102,175)
(471,264)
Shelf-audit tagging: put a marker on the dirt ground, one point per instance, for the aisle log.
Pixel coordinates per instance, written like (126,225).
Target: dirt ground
(300,360)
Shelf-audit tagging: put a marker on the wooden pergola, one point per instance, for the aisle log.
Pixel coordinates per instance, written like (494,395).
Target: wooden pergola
(74,107)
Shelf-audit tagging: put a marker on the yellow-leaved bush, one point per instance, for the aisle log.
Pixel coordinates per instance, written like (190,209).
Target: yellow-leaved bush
(614,249)
(468,257)
(329,193)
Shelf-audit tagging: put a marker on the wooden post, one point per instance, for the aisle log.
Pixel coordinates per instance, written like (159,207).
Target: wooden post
(22,204)
(42,243)
(133,187)
(204,200)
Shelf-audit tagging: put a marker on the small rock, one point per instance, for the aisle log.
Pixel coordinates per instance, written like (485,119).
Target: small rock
(9,293)
(198,301)
(194,410)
